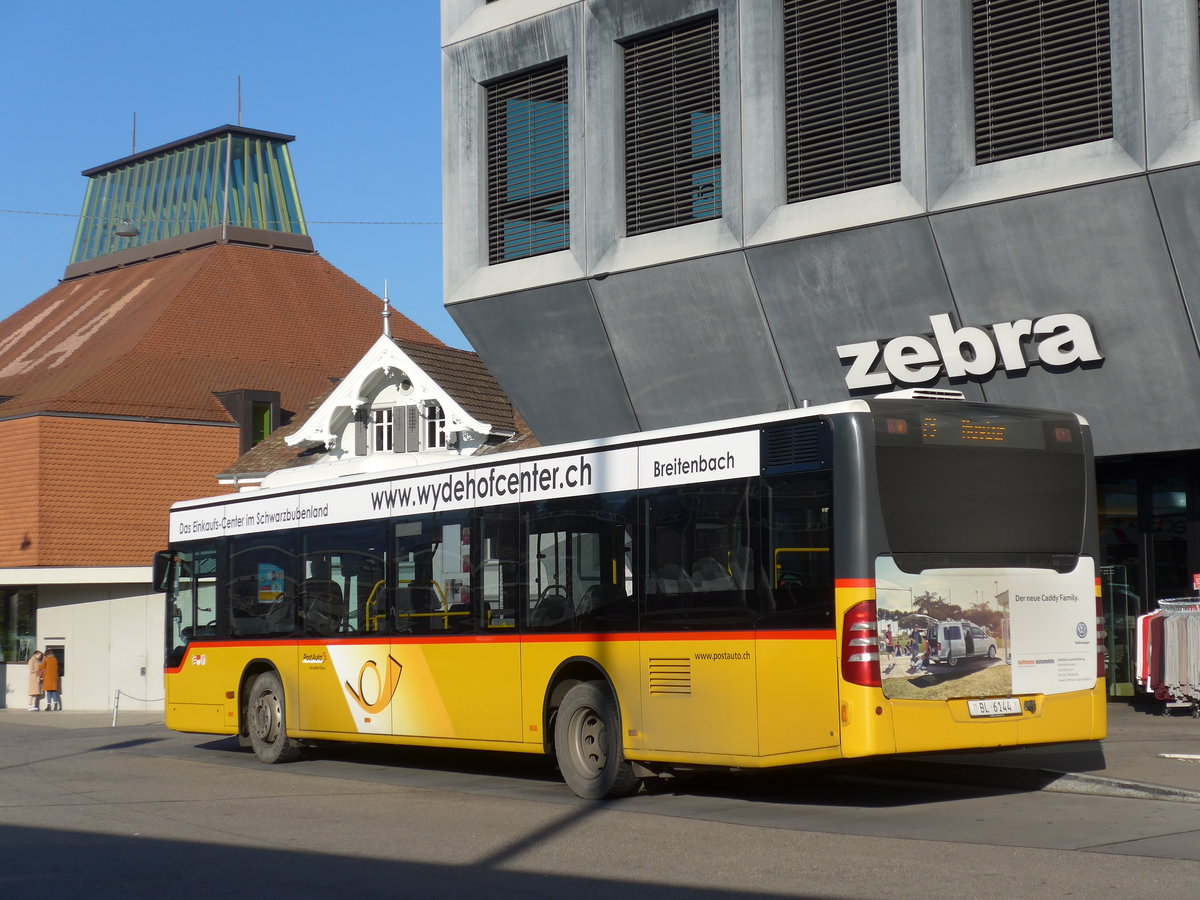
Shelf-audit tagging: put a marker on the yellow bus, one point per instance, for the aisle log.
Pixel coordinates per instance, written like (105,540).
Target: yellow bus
(869,577)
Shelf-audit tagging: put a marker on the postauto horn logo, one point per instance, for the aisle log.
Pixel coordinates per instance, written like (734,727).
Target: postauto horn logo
(380,686)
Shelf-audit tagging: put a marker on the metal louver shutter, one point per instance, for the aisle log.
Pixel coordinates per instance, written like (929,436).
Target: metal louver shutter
(412,429)
(672,128)
(802,447)
(528,200)
(841,90)
(1043,76)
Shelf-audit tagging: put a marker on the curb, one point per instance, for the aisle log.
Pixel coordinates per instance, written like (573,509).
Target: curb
(1050,780)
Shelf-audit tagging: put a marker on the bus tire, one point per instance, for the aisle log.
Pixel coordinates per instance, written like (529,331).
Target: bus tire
(587,744)
(266,720)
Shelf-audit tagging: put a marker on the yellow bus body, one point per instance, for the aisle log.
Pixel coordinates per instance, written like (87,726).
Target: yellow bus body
(739,699)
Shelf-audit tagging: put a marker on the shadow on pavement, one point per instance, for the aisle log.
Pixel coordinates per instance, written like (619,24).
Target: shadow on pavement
(47,863)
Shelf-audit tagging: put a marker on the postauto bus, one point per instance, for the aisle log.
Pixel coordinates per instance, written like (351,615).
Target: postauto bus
(746,593)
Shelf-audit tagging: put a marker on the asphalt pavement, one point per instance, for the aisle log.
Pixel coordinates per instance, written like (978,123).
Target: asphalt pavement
(1146,754)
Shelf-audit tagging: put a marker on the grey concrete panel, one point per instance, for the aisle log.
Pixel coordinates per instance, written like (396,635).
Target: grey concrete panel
(1097,251)
(466,67)
(1172,82)
(691,341)
(547,350)
(1177,198)
(862,285)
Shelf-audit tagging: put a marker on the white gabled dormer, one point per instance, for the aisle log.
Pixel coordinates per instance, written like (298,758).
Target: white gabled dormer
(388,411)
(404,403)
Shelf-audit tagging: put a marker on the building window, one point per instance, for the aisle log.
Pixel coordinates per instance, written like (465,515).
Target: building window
(18,623)
(528,203)
(257,414)
(260,420)
(382,430)
(1043,76)
(841,94)
(672,128)
(435,427)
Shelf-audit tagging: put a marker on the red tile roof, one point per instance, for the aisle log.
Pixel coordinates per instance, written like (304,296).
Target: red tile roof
(88,480)
(156,339)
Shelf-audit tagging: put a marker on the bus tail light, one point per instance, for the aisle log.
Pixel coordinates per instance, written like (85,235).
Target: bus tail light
(860,645)
(1101,641)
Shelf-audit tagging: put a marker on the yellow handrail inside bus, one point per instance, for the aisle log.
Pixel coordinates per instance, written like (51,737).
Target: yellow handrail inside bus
(779,550)
(371,622)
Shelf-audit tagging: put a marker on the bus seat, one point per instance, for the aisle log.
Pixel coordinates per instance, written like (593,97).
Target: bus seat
(323,609)
(553,609)
(708,575)
(671,579)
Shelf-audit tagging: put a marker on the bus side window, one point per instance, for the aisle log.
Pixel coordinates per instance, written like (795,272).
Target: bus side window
(262,586)
(578,564)
(193,599)
(698,556)
(797,544)
(345,588)
(433,574)
(497,580)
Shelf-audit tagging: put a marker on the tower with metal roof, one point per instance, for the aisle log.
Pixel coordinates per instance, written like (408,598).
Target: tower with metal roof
(226,185)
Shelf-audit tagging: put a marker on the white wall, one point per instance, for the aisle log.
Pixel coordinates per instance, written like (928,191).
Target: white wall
(113,640)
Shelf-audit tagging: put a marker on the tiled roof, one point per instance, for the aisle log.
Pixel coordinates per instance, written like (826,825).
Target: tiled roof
(157,339)
(20,534)
(103,371)
(462,375)
(522,439)
(95,492)
(273,453)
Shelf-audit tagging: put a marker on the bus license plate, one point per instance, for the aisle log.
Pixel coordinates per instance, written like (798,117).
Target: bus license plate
(1006,706)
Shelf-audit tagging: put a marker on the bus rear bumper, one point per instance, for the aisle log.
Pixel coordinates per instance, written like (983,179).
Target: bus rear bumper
(924,726)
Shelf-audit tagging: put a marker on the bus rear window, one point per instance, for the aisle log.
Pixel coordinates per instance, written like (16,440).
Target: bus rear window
(995,483)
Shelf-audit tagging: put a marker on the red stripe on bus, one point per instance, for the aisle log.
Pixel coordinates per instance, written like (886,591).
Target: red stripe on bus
(854,583)
(815,634)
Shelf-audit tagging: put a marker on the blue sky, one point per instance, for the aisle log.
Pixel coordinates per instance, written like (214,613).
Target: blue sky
(357,83)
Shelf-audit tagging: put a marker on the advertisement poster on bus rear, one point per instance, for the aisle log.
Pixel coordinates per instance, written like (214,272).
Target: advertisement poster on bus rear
(946,633)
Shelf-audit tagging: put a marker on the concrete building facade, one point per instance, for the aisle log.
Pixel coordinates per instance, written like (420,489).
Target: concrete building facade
(735,206)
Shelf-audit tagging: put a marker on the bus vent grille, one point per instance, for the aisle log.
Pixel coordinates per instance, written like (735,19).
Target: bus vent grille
(671,676)
(800,447)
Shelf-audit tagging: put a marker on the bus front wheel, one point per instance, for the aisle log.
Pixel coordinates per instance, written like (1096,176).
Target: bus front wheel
(587,744)
(267,722)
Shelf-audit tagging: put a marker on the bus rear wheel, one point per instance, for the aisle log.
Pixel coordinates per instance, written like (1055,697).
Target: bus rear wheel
(587,744)
(267,722)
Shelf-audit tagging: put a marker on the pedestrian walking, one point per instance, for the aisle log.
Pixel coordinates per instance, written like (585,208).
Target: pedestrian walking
(36,664)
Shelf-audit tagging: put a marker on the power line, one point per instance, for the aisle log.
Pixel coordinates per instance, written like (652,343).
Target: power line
(31,212)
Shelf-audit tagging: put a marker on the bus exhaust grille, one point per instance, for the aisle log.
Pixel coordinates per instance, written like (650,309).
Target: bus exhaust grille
(671,676)
(803,446)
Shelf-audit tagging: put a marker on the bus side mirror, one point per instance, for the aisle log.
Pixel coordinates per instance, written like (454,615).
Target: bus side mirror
(162,570)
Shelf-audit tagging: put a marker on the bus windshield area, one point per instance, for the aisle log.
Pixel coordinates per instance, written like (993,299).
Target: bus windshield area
(998,483)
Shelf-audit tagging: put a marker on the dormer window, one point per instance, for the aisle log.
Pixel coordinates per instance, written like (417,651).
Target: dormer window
(382,429)
(257,414)
(435,427)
